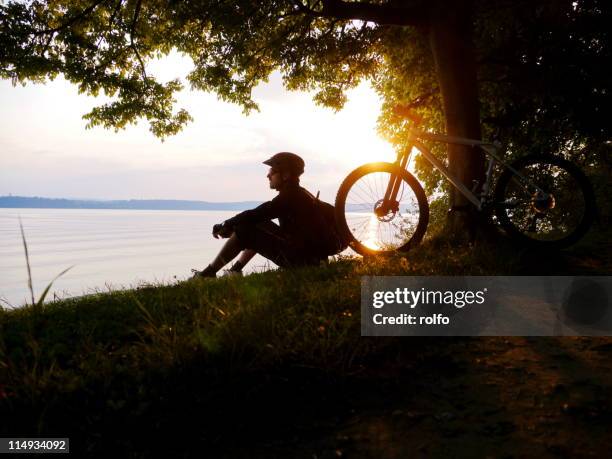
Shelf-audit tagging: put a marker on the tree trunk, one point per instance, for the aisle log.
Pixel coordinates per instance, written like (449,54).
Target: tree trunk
(450,38)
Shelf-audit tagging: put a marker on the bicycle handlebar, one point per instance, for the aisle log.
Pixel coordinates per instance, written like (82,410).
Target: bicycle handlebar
(405,112)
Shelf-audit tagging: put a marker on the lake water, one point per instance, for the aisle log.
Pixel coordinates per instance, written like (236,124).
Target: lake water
(108,249)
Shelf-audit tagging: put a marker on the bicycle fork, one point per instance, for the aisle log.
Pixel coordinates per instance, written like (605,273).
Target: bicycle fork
(390,203)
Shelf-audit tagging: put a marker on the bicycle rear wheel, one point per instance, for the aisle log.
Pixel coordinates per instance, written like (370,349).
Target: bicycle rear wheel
(361,195)
(555,216)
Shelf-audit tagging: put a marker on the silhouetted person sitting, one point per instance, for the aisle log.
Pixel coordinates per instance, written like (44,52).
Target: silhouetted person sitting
(296,242)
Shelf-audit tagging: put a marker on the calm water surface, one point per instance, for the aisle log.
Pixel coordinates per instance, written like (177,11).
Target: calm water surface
(108,249)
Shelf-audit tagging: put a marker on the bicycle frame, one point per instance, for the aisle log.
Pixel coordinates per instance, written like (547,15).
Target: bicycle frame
(490,148)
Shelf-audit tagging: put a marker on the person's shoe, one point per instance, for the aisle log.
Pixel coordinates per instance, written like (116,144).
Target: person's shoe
(206,272)
(232,273)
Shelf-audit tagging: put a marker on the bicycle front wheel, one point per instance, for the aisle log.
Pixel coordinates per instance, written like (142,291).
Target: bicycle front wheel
(358,214)
(551,206)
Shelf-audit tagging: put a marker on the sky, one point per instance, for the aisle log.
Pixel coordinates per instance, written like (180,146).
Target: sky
(46,151)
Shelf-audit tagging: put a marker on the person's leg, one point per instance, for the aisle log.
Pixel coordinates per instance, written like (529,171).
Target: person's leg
(245,256)
(228,252)
(266,239)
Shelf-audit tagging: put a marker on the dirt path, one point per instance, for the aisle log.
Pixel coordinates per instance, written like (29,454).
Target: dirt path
(492,397)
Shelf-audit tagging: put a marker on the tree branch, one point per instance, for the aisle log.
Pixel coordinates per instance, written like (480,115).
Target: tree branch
(114,14)
(132,34)
(72,20)
(111,21)
(306,9)
(385,14)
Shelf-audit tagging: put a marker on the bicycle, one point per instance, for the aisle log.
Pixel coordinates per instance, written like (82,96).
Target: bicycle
(540,200)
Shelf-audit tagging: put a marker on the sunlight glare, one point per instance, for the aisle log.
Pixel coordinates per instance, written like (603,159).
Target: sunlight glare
(372,241)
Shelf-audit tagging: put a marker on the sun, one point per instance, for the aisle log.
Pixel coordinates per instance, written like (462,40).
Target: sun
(349,136)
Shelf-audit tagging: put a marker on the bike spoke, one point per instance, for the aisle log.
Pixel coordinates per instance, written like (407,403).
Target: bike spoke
(547,205)
(534,222)
(377,230)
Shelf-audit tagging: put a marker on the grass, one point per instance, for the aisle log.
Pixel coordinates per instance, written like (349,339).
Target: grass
(130,369)
(36,305)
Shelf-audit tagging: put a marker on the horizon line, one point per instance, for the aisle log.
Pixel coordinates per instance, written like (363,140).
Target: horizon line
(126,199)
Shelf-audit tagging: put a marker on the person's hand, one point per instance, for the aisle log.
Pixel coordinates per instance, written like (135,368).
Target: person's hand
(216,230)
(221,230)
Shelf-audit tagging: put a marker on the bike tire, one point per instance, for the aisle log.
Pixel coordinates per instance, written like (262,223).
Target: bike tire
(417,219)
(571,192)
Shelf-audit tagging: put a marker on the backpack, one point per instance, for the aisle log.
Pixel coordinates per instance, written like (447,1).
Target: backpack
(331,240)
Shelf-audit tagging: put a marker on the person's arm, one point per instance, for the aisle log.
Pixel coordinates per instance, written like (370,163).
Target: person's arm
(266,211)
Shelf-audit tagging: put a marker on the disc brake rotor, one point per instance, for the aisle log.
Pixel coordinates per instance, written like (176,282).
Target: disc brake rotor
(542,203)
(386,213)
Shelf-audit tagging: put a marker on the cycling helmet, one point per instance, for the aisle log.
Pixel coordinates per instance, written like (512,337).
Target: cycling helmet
(286,162)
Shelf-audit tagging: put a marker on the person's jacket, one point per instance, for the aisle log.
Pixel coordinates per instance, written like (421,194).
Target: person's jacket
(297,215)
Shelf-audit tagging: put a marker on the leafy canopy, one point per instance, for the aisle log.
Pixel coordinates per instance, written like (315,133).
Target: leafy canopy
(104,45)
(539,62)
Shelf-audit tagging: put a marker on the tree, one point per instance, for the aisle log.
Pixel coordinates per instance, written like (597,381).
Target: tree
(540,75)
(328,45)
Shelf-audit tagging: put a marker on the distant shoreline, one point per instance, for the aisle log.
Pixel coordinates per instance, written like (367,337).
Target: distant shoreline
(12,202)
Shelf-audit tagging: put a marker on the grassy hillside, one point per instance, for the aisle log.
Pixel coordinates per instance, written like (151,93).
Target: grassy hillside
(260,366)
